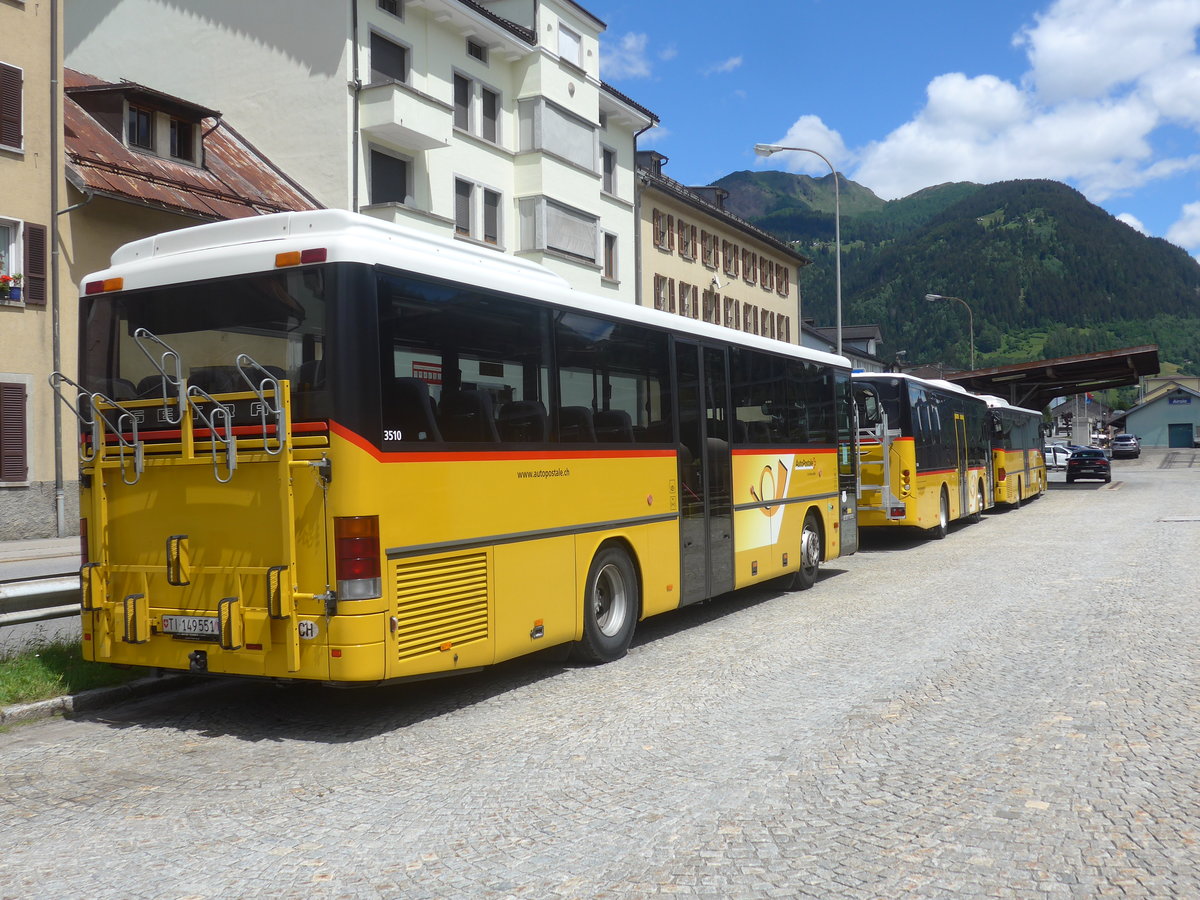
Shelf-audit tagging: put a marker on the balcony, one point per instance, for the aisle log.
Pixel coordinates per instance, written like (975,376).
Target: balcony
(404,118)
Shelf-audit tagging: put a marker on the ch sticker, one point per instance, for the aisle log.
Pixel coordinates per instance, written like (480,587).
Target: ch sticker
(308,630)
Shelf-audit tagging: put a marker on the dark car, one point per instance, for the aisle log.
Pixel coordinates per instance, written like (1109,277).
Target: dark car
(1090,462)
(1126,445)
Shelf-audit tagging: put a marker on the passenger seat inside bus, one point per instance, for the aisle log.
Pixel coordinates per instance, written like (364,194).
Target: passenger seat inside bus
(412,410)
(467,416)
(614,425)
(524,421)
(575,425)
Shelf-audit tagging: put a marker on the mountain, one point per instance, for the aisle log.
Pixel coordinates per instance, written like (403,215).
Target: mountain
(1045,272)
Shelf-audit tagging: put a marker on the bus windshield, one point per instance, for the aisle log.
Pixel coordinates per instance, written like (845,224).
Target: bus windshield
(277,318)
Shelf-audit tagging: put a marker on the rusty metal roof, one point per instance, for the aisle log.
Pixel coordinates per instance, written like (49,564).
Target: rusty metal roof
(1035,384)
(234,181)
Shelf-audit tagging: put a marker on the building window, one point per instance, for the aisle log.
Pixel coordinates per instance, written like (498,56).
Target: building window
(10,106)
(394,7)
(489,128)
(140,128)
(729,257)
(783,328)
(9,232)
(466,217)
(664,293)
(732,313)
(183,140)
(664,231)
(608,164)
(766,274)
(13,432)
(546,127)
(610,272)
(749,265)
(389,60)
(750,318)
(23,252)
(570,47)
(391,178)
(548,225)
(687,240)
(708,249)
(476,50)
(689,300)
(712,307)
(463,191)
(491,217)
(782,280)
(467,114)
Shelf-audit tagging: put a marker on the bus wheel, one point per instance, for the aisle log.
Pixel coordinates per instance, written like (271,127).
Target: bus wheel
(810,555)
(938,531)
(610,607)
(977,516)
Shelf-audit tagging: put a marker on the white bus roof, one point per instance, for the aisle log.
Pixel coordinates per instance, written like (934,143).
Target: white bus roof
(930,382)
(995,402)
(247,246)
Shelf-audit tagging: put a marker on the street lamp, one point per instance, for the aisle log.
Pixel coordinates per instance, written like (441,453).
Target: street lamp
(970,320)
(768,150)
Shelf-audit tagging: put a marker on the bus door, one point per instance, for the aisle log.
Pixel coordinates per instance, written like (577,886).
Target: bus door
(706,502)
(962,463)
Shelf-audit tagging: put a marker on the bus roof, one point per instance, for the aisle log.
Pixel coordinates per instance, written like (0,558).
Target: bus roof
(995,402)
(928,382)
(249,245)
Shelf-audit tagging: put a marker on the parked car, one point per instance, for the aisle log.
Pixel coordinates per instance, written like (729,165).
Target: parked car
(1090,462)
(1126,445)
(1056,456)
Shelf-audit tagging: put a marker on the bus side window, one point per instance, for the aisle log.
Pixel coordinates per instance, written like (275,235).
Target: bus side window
(467,416)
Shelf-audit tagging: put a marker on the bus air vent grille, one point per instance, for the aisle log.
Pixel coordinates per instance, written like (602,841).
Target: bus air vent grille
(441,601)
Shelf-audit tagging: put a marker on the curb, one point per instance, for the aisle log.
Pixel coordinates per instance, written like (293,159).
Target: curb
(88,700)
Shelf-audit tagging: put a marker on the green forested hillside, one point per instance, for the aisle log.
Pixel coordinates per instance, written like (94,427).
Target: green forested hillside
(1045,272)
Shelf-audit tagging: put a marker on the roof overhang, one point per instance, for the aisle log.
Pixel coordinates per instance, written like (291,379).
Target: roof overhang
(1034,384)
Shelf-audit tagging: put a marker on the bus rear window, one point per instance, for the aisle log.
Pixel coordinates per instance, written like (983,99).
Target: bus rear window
(277,318)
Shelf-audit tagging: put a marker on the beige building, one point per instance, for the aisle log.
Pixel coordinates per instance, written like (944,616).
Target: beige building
(704,263)
(31,479)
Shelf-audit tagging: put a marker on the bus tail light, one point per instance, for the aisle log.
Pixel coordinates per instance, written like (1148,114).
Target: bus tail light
(83,542)
(104,287)
(1001,474)
(299,257)
(356,554)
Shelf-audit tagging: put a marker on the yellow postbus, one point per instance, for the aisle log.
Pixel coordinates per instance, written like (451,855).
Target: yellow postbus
(1018,456)
(925,453)
(318,446)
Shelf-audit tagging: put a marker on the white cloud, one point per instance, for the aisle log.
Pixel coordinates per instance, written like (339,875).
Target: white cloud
(725,67)
(625,59)
(668,53)
(1087,48)
(811,132)
(1133,222)
(1186,232)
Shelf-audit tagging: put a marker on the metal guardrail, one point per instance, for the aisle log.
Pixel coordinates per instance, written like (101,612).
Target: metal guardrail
(38,599)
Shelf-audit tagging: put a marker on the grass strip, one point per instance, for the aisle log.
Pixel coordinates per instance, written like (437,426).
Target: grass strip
(52,669)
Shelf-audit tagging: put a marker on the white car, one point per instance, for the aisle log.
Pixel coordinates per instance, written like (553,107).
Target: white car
(1056,456)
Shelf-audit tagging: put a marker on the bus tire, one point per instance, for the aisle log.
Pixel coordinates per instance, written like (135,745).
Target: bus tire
(610,607)
(938,531)
(977,516)
(810,555)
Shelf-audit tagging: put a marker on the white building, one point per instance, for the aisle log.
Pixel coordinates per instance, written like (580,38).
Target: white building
(485,119)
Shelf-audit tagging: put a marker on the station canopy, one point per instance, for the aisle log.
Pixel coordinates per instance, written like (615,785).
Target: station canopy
(1034,384)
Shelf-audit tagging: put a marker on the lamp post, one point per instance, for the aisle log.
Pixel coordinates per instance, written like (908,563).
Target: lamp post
(768,150)
(970,320)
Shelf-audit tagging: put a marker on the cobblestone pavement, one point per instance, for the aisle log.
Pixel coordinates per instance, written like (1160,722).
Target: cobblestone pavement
(1010,712)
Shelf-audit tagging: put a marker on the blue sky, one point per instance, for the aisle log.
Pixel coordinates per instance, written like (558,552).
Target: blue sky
(1101,94)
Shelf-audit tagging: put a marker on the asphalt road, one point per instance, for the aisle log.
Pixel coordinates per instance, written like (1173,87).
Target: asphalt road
(1011,712)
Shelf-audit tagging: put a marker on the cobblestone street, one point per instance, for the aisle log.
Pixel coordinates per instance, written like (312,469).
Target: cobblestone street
(1011,712)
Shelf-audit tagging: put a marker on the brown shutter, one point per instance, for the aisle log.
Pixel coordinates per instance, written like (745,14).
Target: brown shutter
(12,432)
(10,106)
(34,284)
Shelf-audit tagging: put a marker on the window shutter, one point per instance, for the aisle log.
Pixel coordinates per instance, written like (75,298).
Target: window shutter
(12,432)
(34,284)
(10,106)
